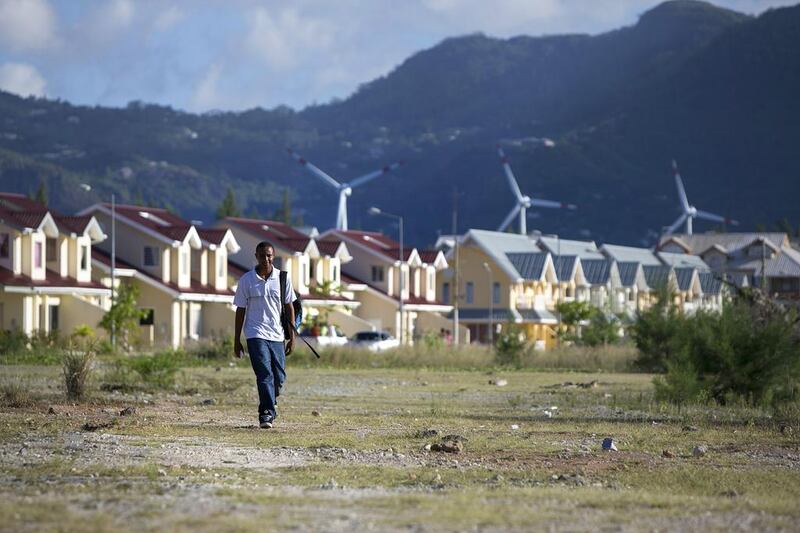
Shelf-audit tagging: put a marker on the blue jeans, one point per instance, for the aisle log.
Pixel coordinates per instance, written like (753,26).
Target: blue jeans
(269,363)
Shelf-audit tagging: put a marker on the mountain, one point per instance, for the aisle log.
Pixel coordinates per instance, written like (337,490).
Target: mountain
(713,88)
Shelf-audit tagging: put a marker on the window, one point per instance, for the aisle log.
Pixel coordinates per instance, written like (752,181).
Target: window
(53,317)
(335,272)
(569,292)
(37,255)
(185,260)
(446,293)
(470,292)
(84,258)
(5,245)
(496,293)
(151,256)
(51,249)
(148,317)
(377,273)
(312,267)
(631,296)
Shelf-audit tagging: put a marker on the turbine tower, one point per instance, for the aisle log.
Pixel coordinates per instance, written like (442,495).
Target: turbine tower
(689,211)
(345,189)
(524,202)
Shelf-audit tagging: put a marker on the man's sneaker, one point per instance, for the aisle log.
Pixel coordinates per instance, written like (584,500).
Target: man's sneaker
(265,424)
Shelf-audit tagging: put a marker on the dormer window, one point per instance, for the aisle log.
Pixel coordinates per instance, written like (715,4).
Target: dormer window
(84,258)
(51,250)
(37,255)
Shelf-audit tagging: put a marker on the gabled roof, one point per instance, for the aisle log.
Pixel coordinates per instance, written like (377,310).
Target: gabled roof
(566,247)
(497,244)
(597,271)
(213,238)
(530,265)
(683,261)
(684,277)
(20,202)
(81,225)
(657,276)
(710,283)
(24,221)
(629,272)
(280,234)
(630,254)
(153,221)
(566,266)
(732,243)
(334,247)
(434,258)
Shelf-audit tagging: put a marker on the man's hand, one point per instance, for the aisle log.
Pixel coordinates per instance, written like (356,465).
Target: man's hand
(238,349)
(289,345)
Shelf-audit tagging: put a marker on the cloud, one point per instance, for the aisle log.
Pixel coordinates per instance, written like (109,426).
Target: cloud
(168,18)
(21,79)
(206,94)
(27,24)
(281,40)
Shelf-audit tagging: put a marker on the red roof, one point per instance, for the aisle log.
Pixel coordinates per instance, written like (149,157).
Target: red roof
(73,224)
(214,236)
(375,241)
(173,226)
(20,202)
(414,300)
(195,287)
(327,247)
(21,219)
(52,279)
(428,256)
(278,233)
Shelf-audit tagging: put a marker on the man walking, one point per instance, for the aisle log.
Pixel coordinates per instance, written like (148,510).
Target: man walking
(258,308)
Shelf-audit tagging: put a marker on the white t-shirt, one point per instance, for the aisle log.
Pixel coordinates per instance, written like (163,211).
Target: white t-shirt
(259,297)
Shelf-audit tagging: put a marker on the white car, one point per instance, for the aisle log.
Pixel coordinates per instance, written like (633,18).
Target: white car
(324,336)
(375,341)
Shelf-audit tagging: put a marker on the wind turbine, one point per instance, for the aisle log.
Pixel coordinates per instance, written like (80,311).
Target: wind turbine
(689,211)
(345,189)
(524,202)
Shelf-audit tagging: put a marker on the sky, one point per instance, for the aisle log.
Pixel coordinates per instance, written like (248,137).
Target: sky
(204,55)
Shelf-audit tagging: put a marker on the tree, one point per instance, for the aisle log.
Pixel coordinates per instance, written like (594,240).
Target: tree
(228,206)
(41,193)
(124,315)
(284,213)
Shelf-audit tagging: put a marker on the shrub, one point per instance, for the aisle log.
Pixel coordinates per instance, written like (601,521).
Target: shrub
(214,350)
(77,366)
(83,331)
(15,393)
(510,346)
(124,316)
(157,370)
(659,334)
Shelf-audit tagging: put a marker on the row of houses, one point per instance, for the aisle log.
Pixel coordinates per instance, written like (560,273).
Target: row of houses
(521,279)
(55,274)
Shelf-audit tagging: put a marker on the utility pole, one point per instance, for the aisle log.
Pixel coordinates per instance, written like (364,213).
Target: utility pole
(455,268)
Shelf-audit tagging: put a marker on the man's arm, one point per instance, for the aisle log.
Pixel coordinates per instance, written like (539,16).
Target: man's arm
(237,332)
(289,310)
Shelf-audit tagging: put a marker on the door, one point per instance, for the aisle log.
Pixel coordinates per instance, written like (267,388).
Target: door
(53,317)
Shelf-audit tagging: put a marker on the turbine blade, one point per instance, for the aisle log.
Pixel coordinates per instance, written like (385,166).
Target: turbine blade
(549,203)
(681,191)
(314,170)
(372,175)
(677,224)
(711,216)
(510,217)
(341,214)
(512,181)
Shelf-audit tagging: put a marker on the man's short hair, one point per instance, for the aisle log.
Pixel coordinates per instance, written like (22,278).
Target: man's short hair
(264,244)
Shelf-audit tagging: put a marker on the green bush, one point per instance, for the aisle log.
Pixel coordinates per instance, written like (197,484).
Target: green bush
(15,393)
(157,370)
(214,350)
(41,349)
(510,346)
(77,367)
(749,352)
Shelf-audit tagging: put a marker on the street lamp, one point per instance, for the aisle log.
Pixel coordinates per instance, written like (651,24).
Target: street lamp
(376,211)
(491,304)
(86,187)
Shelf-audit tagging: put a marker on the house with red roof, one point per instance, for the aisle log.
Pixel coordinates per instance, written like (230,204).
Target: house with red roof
(181,271)
(45,268)
(374,277)
(314,266)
